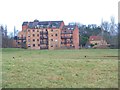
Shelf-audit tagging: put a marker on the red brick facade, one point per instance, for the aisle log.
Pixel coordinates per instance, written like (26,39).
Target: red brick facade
(48,35)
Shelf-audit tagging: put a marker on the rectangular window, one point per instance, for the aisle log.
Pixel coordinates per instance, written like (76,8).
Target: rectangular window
(37,39)
(33,45)
(51,35)
(28,45)
(37,30)
(28,40)
(28,35)
(33,40)
(33,30)
(38,44)
(55,34)
(51,45)
(28,30)
(51,39)
(33,35)
(38,35)
(52,30)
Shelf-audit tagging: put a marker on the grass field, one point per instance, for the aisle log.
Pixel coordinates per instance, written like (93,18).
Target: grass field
(60,68)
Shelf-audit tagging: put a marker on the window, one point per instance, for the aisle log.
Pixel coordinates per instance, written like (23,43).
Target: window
(51,45)
(28,45)
(38,35)
(38,44)
(56,40)
(28,30)
(55,34)
(51,39)
(46,29)
(33,40)
(33,30)
(37,39)
(51,35)
(28,35)
(37,30)
(33,35)
(52,30)
(28,40)
(33,45)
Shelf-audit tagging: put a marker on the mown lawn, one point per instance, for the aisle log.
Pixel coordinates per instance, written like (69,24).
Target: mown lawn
(85,68)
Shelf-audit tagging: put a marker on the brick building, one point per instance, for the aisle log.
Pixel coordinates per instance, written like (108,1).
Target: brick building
(98,42)
(48,35)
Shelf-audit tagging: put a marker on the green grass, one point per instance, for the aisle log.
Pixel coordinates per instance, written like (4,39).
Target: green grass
(60,68)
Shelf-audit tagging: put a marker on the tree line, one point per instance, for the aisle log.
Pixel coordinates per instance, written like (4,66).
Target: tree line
(6,41)
(108,30)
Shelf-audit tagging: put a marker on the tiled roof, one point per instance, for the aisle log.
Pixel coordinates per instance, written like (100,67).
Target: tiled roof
(95,38)
(43,24)
(24,23)
(69,27)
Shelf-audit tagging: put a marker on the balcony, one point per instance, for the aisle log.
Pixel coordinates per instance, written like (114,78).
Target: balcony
(66,32)
(66,37)
(43,47)
(41,42)
(21,38)
(67,42)
(45,32)
(43,37)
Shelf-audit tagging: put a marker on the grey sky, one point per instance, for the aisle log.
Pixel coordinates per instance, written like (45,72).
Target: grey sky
(14,12)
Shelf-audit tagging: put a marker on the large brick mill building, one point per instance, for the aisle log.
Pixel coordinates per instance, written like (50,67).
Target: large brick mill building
(48,35)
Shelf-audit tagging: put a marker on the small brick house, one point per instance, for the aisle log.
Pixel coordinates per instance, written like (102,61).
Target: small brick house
(98,42)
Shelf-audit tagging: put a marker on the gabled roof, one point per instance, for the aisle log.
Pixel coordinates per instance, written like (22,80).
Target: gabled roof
(95,38)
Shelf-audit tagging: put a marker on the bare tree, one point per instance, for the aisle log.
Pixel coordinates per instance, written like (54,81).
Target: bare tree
(6,41)
(113,26)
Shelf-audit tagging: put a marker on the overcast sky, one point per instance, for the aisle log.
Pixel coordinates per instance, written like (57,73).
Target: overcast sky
(14,12)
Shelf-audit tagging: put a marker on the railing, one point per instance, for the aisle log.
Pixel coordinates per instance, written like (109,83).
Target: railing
(66,32)
(45,47)
(43,37)
(45,32)
(70,42)
(21,38)
(66,37)
(44,42)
